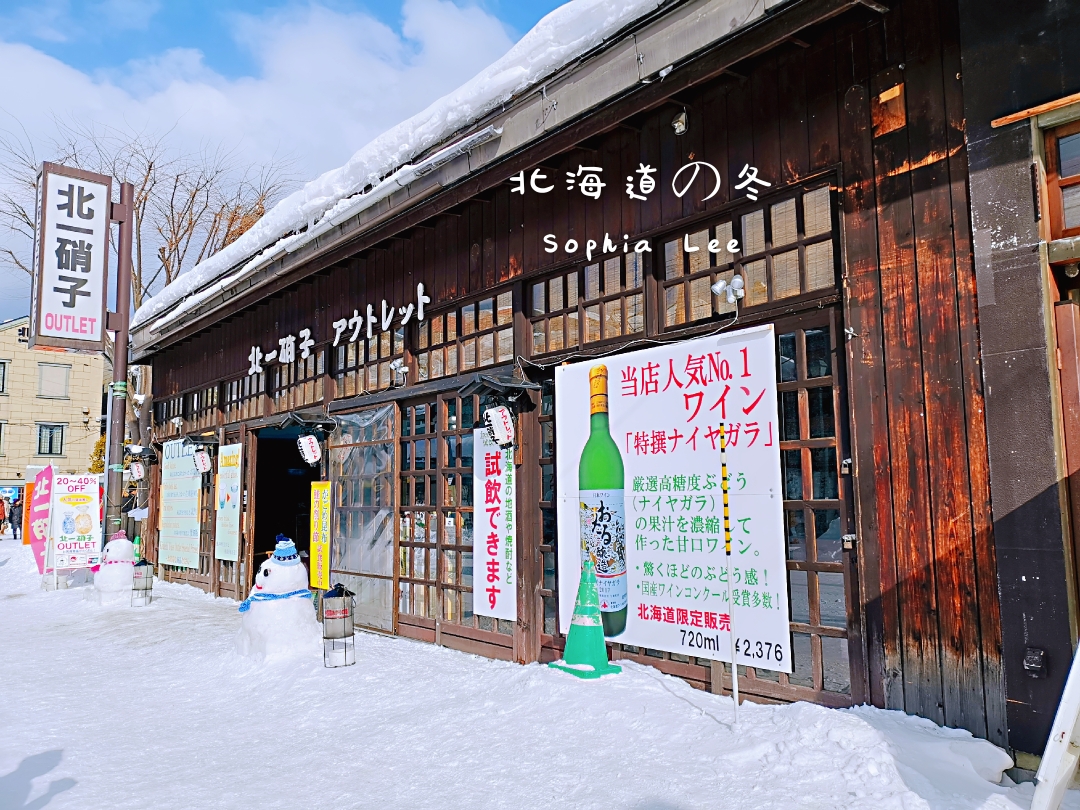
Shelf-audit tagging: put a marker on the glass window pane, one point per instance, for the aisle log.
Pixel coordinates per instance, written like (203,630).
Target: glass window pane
(673,259)
(592,323)
(791,468)
(592,282)
(786,274)
(700,298)
(547,439)
(829,537)
(699,259)
(539,343)
(822,423)
(467,444)
(612,276)
(404,492)
(451,450)
(467,417)
(420,412)
(789,416)
(468,319)
(1070,199)
(784,230)
(823,472)
(547,483)
(633,270)
(635,314)
(833,600)
(450,490)
(437,330)
(451,326)
(468,354)
(674,306)
(820,272)
(406,422)
(757,290)
(506,345)
(723,236)
(506,307)
(795,534)
(420,459)
(837,670)
(420,491)
(451,359)
(818,359)
(450,409)
(555,333)
(571,328)
(571,289)
(800,596)
(422,331)
(437,367)
(487,313)
(422,366)
(785,357)
(612,319)
(1069,155)
(803,662)
(555,294)
(538,299)
(487,349)
(753,232)
(816,211)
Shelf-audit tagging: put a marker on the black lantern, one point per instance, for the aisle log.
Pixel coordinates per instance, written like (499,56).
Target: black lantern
(339,643)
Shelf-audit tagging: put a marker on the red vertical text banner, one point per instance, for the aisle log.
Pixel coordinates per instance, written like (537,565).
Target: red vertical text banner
(494,529)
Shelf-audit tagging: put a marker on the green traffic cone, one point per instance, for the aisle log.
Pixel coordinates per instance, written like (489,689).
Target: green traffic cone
(585,655)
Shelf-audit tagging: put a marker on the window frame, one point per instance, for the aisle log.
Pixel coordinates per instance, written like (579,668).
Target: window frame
(1055,183)
(4,375)
(52,427)
(67,380)
(422,346)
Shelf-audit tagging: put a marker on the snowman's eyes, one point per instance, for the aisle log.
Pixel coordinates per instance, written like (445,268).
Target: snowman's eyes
(266,572)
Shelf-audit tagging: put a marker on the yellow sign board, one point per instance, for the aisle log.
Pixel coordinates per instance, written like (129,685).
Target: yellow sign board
(320,535)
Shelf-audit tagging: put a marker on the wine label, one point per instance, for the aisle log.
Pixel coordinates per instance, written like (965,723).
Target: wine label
(603,539)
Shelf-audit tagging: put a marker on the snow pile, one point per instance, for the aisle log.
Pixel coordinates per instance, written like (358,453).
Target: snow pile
(562,36)
(122,708)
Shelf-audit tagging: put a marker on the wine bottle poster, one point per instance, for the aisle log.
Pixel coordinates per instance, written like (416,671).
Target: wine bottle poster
(494,538)
(639,492)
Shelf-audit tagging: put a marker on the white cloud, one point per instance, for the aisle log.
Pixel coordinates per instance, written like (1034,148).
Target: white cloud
(326,83)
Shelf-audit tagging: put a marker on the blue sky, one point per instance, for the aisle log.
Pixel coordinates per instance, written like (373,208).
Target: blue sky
(305,82)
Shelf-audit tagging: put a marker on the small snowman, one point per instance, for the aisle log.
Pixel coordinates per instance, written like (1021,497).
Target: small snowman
(113,580)
(278,617)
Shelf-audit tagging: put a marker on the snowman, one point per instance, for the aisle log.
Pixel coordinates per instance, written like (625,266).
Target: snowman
(113,580)
(278,617)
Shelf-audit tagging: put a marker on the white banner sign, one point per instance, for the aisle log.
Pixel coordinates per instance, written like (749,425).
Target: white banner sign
(639,489)
(494,532)
(181,485)
(72,259)
(227,519)
(76,521)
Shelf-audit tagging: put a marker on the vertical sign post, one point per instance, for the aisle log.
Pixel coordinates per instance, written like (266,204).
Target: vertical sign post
(494,546)
(320,535)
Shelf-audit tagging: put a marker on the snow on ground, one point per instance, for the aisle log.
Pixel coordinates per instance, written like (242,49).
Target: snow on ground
(114,707)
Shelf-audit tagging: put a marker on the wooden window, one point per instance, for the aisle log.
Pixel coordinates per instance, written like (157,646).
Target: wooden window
(364,366)
(787,249)
(418,516)
(476,335)
(242,397)
(53,380)
(549,591)
(300,382)
(590,304)
(200,408)
(165,412)
(50,440)
(1063,179)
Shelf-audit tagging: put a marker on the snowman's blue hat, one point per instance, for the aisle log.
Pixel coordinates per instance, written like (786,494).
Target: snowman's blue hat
(285,552)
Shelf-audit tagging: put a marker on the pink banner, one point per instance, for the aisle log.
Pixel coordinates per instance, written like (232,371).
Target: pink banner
(39,517)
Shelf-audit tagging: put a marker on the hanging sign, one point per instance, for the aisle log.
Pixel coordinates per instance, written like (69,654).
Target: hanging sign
(181,485)
(202,461)
(310,450)
(38,518)
(71,259)
(500,424)
(639,490)
(227,515)
(494,543)
(320,535)
(137,470)
(75,524)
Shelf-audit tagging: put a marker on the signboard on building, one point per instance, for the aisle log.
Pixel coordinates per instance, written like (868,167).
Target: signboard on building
(181,485)
(639,489)
(227,517)
(320,535)
(37,512)
(71,259)
(495,531)
(75,521)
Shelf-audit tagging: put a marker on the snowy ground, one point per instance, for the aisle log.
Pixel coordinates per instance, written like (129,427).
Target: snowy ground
(111,707)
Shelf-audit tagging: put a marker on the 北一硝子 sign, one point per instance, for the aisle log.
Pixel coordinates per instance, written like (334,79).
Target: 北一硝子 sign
(71,259)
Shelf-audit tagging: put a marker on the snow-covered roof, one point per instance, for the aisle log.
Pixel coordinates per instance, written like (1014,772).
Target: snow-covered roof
(558,39)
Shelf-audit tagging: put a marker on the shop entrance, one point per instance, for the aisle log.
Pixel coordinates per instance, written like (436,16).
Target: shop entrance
(283,492)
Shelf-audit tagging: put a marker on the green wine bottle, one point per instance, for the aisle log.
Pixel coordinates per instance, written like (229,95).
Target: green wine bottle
(602,511)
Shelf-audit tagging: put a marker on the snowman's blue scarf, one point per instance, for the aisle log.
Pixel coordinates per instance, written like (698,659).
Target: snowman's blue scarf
(245,606)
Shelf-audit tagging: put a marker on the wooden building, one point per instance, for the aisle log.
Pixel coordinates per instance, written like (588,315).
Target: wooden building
(859,251)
